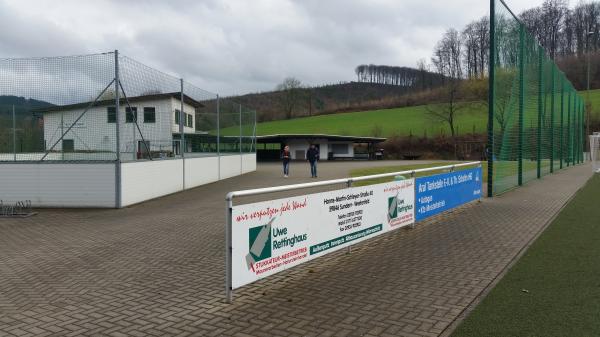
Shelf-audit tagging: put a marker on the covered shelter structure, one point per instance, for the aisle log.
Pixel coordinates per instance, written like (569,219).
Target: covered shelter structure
(330,147)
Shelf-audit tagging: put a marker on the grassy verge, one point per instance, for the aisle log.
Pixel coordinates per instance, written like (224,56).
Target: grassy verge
(554,289)
(398,168)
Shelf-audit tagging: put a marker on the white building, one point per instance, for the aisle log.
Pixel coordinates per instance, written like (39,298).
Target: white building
(95,132)
(330,147)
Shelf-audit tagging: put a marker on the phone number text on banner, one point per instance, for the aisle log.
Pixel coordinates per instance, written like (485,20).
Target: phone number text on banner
(271,236)
(441,192)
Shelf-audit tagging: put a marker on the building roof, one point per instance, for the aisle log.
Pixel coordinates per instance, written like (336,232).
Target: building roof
(286,137)
(123,102)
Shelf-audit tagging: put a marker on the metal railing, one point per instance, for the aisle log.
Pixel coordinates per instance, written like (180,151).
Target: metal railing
(108,107)
(267,190)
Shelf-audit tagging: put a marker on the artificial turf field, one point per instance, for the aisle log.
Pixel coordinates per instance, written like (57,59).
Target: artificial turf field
(554,289)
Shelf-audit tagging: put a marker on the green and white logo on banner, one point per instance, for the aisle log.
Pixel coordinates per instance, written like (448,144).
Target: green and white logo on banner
(259,244)
(392,207)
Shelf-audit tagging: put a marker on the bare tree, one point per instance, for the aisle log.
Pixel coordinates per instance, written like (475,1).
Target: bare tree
(553,16)
(447,60)
(447,55)
(482,29)
(532,18)
(446,112)
(290,90)
(470,51)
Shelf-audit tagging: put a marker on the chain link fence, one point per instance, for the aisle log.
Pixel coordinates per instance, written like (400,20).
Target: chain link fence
(109,107)
(536,115)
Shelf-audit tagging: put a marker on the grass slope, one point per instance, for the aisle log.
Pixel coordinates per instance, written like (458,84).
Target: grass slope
(554,289)
(401,121)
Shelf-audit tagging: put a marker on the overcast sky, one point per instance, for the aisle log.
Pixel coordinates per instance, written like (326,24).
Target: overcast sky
(240,46)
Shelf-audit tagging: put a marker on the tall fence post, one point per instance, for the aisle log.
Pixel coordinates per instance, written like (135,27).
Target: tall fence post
(491,98)
(241,161)
(552,98)
(562,122)
(583,135)
(574,126)
(118,134)
(521,100)
(182,131)
(219,137)
(576,134)
(541,97)
(228,251)
(62,132)
(569,145)
(582,129)
(133,126)
(579,130)
(14,133)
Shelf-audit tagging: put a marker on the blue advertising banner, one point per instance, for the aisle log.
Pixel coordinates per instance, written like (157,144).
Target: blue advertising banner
(441,192)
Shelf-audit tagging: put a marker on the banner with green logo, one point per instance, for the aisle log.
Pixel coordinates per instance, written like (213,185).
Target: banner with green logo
(272,236)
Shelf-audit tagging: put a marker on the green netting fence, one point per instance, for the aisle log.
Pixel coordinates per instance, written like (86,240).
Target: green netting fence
(535,114)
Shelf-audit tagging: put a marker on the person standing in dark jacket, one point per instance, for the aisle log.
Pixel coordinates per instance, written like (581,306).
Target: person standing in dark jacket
(286,157)
(312,155)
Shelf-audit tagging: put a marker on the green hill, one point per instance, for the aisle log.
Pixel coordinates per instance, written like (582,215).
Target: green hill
(388,122)
(400,121)
(23,106)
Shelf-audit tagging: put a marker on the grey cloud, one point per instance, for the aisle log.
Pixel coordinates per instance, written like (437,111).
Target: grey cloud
(238,46)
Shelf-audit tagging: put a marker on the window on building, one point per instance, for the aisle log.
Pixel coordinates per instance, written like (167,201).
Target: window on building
(190,120)
(130,114)
(149,115)
(339,149)
(111,114)
(68,145)
(177,116)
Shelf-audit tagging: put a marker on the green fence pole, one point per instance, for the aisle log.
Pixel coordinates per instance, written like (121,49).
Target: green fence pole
(552,97)
(491,98)
(540,108)
(562,122)
(583,135)
(569,130)
(521,100)
(573,128)
(581,132)
(578,131)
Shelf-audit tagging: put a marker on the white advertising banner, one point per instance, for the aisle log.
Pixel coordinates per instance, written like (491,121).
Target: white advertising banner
(271,236)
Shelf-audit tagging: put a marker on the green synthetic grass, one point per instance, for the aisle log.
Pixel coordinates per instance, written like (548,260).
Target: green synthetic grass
(399,168)
(554,289)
